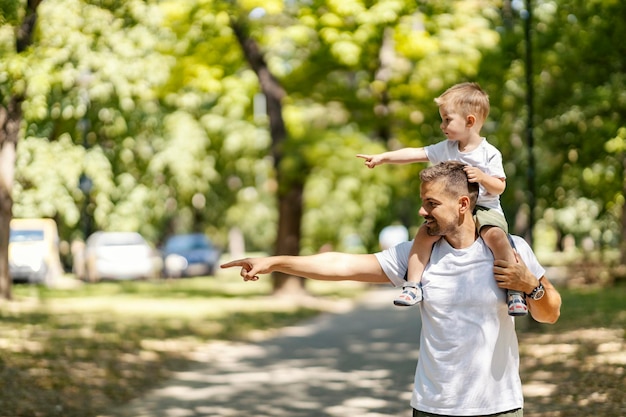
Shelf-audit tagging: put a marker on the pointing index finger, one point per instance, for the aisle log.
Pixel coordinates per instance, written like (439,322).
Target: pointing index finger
(237,262)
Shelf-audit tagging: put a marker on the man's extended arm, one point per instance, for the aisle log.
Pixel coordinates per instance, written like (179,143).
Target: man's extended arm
(327,266)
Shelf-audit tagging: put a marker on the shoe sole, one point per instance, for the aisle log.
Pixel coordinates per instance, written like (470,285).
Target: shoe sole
(404,303)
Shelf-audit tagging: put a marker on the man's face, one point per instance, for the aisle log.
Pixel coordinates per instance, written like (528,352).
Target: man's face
(439,210)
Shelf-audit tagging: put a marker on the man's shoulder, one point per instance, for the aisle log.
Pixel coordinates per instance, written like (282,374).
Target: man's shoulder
(519,241)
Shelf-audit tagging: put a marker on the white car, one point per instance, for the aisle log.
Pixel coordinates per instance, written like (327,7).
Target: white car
(119,256)
(34,251)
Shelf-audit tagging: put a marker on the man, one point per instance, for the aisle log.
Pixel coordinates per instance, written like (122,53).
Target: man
(469,360)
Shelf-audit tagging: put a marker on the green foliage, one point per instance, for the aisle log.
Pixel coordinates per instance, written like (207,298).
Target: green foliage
(154,102)
(46,184)
(354,83)
(583,111)
(10,11)
(161,97)
(90,82)
(578,81)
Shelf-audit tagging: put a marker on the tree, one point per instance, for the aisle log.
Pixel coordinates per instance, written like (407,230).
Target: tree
(346,55)
(116,95)
(584,113)
(158,102)
(10,125)
(291,188)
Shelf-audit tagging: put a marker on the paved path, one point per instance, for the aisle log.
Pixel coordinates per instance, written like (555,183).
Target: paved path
(358,364)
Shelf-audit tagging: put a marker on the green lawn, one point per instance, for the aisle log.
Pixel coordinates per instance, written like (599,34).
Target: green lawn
(593,307)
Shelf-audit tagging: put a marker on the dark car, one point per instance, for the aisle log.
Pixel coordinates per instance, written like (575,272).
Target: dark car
(189,255)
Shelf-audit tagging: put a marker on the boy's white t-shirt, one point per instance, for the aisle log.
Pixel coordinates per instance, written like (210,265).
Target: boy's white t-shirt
(469,359)
(486,157)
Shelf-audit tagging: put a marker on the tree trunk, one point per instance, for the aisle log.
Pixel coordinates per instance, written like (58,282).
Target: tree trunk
(288,237)
(289,190)
(10,120)
(623,236)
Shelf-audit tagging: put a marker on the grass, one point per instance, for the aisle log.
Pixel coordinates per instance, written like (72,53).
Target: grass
(577,367)
(78,351)
(593,307)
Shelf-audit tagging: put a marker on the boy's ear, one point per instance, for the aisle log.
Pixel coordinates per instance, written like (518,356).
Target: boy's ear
(470,120)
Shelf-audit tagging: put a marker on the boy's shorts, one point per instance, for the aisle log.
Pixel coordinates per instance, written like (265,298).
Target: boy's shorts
(489,217)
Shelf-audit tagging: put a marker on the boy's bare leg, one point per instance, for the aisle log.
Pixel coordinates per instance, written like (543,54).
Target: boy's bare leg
(418,258)
(497,240)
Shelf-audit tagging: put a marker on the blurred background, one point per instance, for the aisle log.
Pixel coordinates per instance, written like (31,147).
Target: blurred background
(240,120)
(146,141)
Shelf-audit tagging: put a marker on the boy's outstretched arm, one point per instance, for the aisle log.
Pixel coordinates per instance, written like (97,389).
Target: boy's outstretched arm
(400,156)
(327,266)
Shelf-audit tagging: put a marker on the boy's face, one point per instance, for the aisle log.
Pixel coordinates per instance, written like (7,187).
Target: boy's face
(453,125)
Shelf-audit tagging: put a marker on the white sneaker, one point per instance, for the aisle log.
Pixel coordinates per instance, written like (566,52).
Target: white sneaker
(517,303)
(411,295)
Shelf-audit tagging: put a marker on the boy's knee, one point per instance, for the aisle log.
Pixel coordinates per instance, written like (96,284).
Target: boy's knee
(492,232)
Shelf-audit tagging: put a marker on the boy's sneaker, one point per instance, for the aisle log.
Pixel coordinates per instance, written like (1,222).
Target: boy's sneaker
(517,303)
(411,295)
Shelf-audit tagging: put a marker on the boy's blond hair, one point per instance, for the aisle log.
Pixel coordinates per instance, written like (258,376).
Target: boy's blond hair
(465,99)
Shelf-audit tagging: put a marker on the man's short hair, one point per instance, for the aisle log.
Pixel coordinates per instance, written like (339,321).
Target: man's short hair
(453,173)
(465,99)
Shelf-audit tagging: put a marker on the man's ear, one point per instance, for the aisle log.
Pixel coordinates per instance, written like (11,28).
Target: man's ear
(470,120)
(465,204)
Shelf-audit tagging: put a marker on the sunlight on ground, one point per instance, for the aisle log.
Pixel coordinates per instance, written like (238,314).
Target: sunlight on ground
(575,370)
(330,365)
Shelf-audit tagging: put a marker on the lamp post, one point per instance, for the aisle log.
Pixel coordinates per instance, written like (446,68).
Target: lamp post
(85,184)
(529,126)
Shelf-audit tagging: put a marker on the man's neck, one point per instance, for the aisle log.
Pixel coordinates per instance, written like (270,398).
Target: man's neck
(463,237)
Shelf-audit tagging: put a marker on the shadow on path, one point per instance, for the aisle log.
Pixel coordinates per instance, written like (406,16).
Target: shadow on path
(359,364)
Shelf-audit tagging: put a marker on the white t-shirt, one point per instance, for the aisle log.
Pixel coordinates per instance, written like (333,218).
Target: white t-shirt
(486,157)
(469,359)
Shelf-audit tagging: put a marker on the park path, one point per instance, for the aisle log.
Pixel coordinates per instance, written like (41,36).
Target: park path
(355,363)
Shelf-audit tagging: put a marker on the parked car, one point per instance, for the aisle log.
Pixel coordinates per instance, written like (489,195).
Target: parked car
(190,254)
(118,256)
(34,251)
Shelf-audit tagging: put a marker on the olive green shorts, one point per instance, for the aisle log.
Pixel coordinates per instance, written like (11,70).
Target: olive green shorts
(512,413)
(489,217)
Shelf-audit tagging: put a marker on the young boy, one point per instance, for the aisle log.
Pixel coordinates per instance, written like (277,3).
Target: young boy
(463,109)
